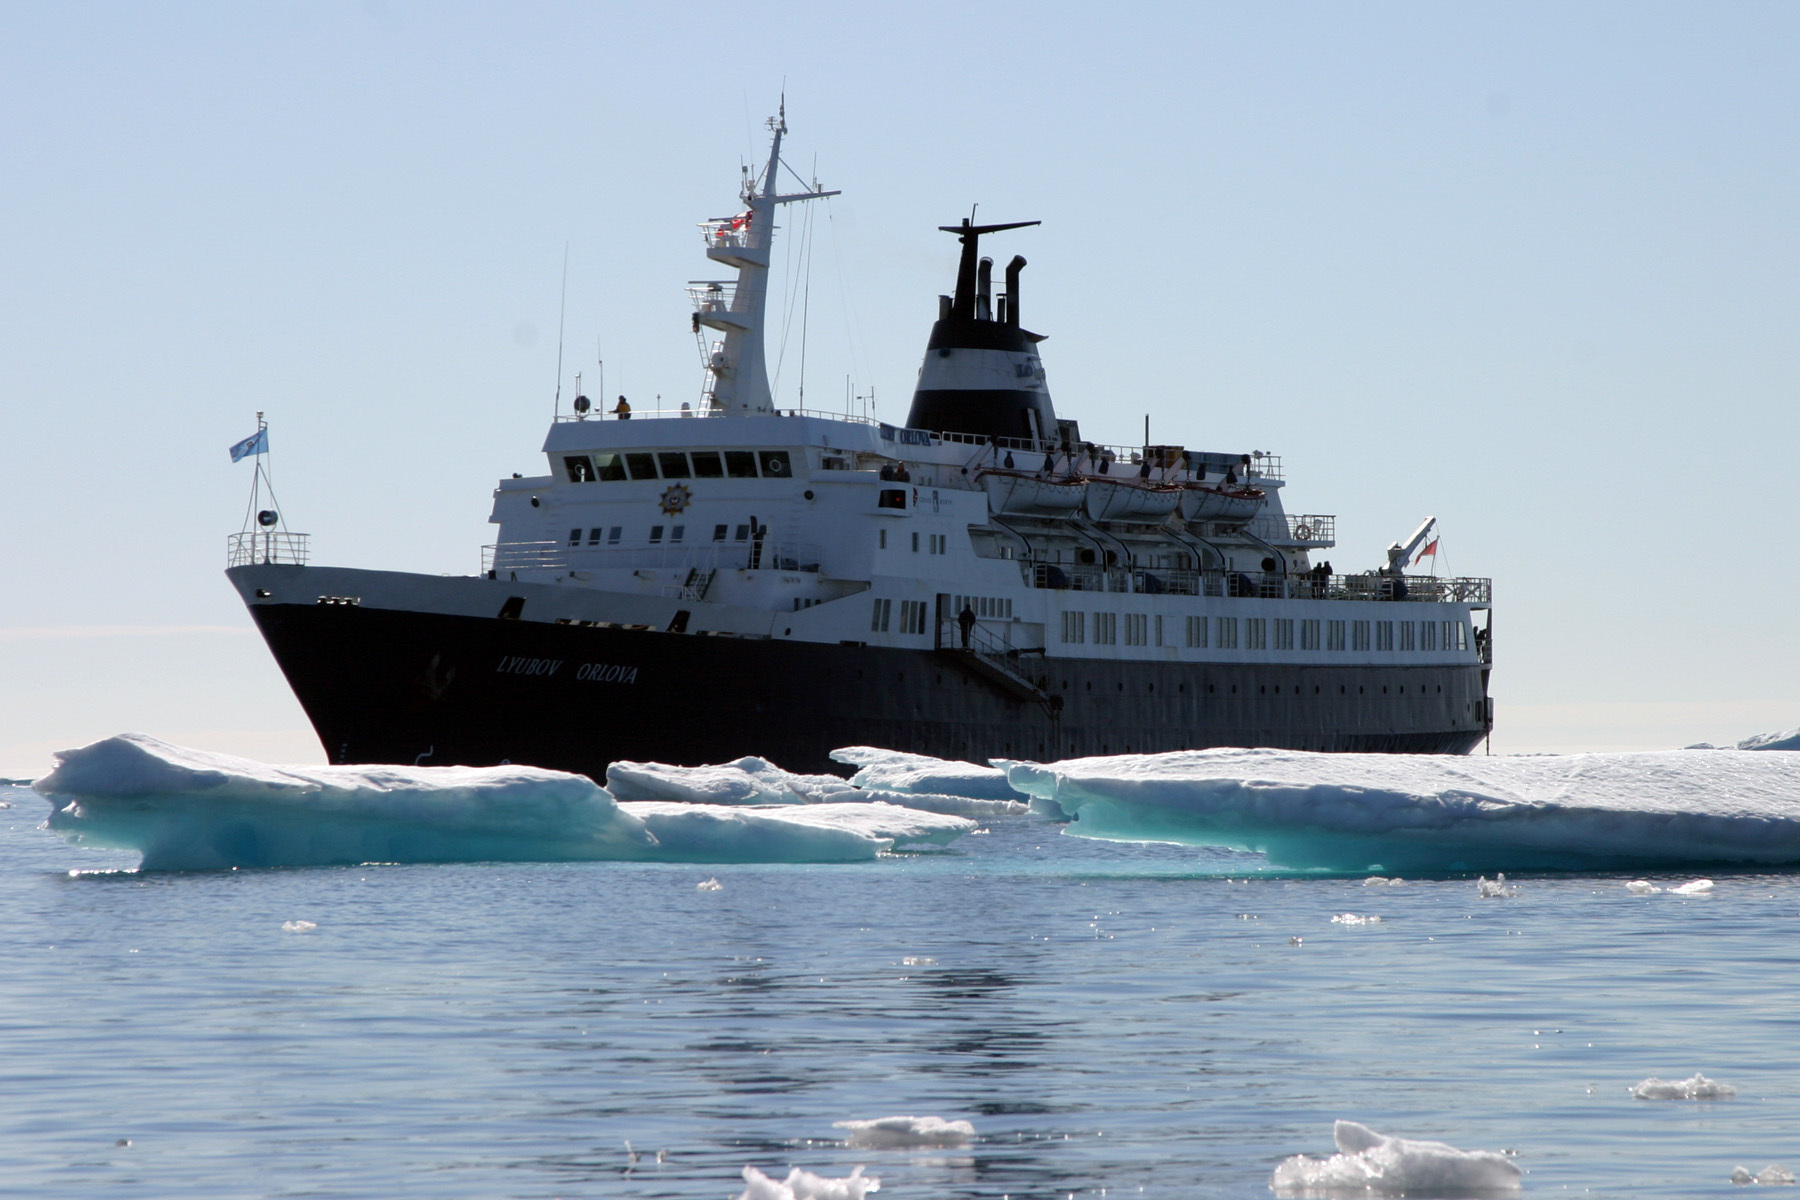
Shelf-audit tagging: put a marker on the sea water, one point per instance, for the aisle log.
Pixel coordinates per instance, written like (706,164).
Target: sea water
(1112,1019)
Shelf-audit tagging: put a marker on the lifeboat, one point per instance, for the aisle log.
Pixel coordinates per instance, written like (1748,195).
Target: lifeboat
(1225,502)
(1131,500)
(1023,494)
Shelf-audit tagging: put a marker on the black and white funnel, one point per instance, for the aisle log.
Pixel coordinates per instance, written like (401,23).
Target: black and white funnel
(982,374)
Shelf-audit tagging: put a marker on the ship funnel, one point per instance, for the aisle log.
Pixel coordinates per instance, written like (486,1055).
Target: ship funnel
(980,376)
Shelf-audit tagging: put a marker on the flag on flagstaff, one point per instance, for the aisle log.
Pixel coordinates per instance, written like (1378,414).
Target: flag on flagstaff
(1430,548)
(256,443)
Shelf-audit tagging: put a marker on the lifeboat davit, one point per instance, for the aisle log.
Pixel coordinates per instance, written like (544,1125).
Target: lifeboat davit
(1023,494)
(1131,500)
(1225,502)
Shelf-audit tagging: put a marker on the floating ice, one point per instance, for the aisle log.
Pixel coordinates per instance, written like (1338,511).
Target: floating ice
(1788,739)
(709,885)
(298,926)
(1699,1087)
(1642,887)
(1495,888)
(1353,919)
(918,960)
(906,1133)
(804,1185)
(1382,881)
(746,781)
(1698,887)
(1368,1162)
(714,833)
(1770,1174)
(959,806)
(193,810)
(1433,813)
(896,771)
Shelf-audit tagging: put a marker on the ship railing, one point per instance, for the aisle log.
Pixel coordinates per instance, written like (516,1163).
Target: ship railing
(524,556)
(267,546)
(1300,530)
(1424,589)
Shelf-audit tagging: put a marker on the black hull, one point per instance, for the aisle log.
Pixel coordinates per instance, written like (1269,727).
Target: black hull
(389,686)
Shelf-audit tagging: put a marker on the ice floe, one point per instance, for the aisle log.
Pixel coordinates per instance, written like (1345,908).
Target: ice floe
(1697,1087)
(906,1133)
(1770,1175)
(749,780)
(709,885)
(1698,887)
(1787,739)
(1495,888)
(896,771)
(717,829)
(1369,1163)
(194,810)
(1354,919)
(1642,887)
(299,926)
(804,1185)
(1426,813)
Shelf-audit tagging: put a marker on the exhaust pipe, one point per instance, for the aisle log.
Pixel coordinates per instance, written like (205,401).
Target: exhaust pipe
(1012,289)
(984,290)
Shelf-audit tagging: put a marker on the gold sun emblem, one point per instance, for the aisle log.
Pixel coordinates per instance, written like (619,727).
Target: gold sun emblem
(676,498)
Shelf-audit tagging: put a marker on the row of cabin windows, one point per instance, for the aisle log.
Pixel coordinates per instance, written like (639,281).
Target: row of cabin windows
(1420,635)
(678,464)
(676,533)
(992,608)
(912,616)
(937,543)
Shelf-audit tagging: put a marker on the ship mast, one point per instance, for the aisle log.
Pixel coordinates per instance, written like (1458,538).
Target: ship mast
(737,372)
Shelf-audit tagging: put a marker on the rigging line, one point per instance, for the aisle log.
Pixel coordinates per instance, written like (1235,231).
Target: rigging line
(561,312)
(858,354)
(805,308)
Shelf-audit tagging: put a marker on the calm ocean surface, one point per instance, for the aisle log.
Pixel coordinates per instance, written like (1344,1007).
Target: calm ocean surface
(1119,1020)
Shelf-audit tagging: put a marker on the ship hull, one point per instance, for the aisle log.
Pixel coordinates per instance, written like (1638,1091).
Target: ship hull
(393,686)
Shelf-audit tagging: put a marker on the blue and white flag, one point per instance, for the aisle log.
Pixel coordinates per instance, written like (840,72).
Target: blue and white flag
(256,443)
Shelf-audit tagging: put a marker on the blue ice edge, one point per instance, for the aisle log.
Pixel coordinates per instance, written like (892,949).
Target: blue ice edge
(193,810)
(1438,814)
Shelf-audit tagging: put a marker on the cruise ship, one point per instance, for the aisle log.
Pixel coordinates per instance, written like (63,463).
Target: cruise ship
(733,578)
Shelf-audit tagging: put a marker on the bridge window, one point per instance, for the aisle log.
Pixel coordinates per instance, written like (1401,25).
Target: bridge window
(1137,626)
(580,469)
(719,533)
(1428,635)
(708,464)
(609,467)
(642,466)
(740,464)
(614,534)
(675,534)
(574,537)
(742,534)
(674,464)
(594,535)
(656,532)
(775,464)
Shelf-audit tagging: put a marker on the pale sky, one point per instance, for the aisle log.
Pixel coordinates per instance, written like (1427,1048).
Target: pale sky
(1532,268)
